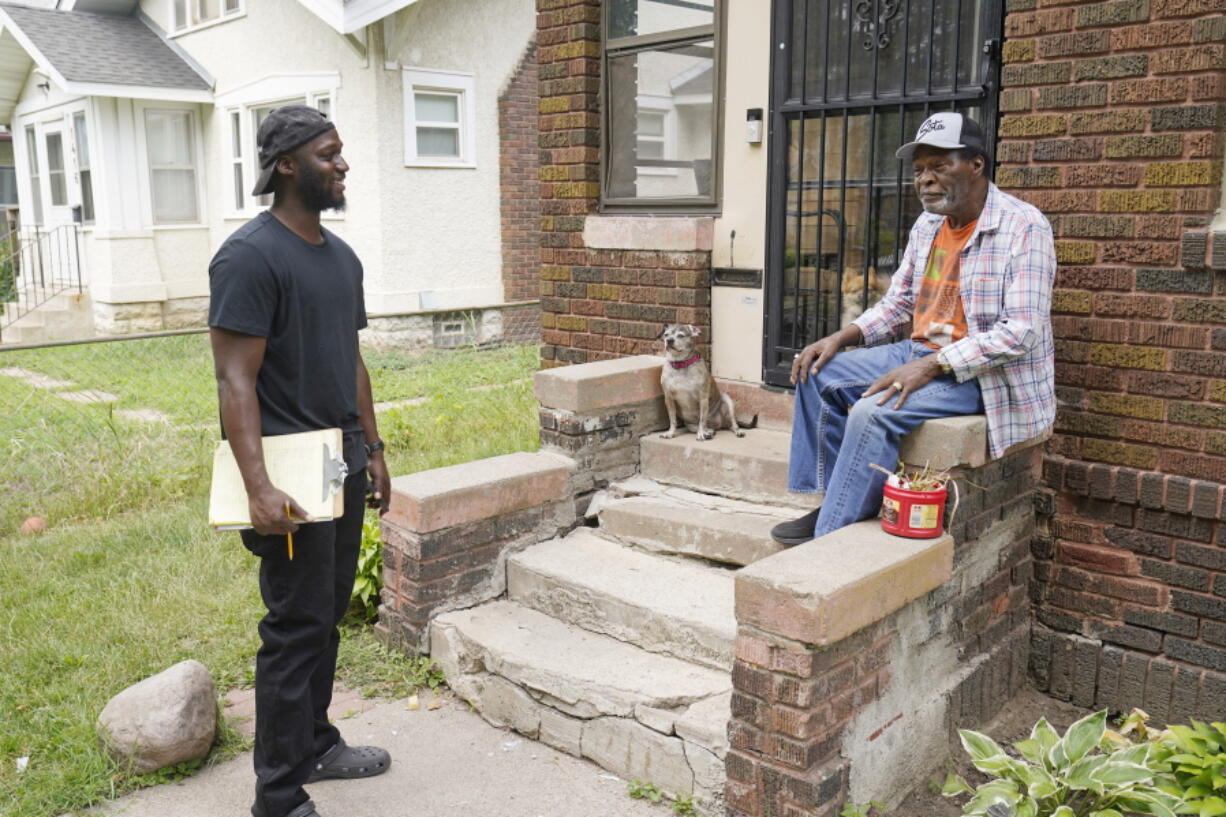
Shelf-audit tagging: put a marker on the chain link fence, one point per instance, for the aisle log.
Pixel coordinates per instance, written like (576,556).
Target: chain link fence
(92,429)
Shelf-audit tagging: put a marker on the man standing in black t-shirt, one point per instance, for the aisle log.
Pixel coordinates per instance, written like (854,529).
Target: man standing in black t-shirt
(286,306)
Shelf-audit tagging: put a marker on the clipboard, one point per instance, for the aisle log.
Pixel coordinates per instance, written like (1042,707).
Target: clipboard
(309,466)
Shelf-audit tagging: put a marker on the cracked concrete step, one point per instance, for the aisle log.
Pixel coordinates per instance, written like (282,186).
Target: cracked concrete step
(580,673)
(667,519)
(678,608)
(753,467)
(641,716)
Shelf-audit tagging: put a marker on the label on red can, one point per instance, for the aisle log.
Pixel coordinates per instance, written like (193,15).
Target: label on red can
(923,517)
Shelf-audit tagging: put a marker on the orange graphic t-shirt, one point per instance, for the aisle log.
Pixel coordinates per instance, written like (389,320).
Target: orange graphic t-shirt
(939,319)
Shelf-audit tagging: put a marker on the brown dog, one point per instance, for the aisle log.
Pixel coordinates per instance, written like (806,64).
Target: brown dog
(690,390)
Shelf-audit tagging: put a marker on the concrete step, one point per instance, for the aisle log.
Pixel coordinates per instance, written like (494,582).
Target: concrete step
(642,716)
(65,316)
(667,519)
(752,468)
(667,606)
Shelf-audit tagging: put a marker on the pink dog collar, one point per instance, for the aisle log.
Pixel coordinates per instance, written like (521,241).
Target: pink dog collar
(682,364)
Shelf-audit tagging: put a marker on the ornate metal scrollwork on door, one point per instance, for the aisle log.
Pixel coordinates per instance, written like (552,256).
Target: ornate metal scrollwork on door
(877,32)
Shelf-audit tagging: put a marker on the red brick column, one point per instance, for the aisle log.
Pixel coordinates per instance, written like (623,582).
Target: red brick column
(1113,124)
(519,160)
(596,304)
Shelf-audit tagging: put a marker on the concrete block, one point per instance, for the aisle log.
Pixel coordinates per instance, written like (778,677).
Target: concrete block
(605,384)
(670,607)
(505,705)
(752,468)
(661,720)
(635,752)
(827,589)
(648,233)
(947,443)
(675,520)
(706,724)
(445,497)
(562,732)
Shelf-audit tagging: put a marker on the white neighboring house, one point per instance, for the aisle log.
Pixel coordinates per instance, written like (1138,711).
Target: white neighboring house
(136,121)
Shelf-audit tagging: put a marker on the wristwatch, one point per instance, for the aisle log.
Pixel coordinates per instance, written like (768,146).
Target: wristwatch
(371,448)
(945,367)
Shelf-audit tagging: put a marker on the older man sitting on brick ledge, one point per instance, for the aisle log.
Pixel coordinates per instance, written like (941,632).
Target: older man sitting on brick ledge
(975,282)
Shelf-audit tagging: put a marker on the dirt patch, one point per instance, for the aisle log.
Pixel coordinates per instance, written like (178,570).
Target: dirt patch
(1011,725)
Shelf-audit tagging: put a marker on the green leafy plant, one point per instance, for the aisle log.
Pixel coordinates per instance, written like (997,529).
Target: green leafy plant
(1198,762)
(1081,774)
(870,809)
(644,791)
(369,579)
(683,806)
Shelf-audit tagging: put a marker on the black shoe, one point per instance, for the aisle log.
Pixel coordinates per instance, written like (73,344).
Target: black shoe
(796,531)
(350,762)
(307,809)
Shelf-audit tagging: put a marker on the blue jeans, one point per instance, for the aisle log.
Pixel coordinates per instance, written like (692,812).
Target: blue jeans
(836,434)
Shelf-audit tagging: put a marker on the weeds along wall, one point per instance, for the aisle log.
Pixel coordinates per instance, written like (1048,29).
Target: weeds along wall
(1113,123)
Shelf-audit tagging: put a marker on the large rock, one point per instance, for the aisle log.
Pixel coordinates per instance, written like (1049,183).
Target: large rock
(166,719)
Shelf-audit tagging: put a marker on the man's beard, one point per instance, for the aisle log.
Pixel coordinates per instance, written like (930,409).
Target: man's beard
(315,194)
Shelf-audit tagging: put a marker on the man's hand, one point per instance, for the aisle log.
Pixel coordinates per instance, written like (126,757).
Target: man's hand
(268,515)
(380,497)
(904,380)
(816,355)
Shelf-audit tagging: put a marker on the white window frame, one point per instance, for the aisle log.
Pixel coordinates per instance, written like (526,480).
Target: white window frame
(653,103)
(89,166)
(146,192)
(248,160)
(223,17)
(462,85)
(33,174)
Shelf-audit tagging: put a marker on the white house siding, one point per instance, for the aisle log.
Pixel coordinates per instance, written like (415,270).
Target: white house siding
(429,238)
(448,219)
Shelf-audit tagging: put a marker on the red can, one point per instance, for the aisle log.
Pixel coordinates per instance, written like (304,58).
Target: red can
(914,514)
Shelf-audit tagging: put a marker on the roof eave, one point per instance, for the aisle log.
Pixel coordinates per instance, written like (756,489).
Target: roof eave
(354,15)
(138,91)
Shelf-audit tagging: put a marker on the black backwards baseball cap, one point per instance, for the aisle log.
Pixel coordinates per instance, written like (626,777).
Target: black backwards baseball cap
(281,131)
(946,130)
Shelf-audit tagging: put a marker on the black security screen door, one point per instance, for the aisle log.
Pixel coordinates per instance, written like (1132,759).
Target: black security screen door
(851,81)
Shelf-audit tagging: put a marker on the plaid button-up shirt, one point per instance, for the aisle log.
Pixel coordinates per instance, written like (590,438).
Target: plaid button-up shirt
(1008,267)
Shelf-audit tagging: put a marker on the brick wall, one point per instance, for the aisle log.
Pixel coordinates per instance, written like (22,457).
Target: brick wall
(596,304)
(794,704)
(519,167)
(1112,123)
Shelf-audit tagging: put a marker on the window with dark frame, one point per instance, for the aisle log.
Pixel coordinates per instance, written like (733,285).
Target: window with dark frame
(661,73)
(851,81)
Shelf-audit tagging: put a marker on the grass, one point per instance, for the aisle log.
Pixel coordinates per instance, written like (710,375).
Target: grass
(128,580)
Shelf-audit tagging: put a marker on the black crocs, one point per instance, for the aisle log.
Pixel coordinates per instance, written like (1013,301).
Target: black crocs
(796,531)
(350,762)
(307,809)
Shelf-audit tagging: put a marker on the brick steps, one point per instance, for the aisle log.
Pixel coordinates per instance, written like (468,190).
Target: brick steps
(607,644)
(677,608)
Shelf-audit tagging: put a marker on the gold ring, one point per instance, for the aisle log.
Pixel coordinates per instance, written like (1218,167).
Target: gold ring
(896,385)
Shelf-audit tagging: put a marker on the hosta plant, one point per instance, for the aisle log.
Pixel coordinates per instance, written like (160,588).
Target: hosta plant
(1198,762)
(1082,774)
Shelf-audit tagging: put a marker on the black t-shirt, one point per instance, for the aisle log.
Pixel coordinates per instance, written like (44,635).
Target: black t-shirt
(307,301)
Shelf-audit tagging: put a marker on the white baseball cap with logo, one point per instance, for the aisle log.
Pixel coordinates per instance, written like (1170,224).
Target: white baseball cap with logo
(947,130)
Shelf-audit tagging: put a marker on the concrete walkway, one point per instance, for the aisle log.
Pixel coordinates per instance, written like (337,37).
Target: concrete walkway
(445,763)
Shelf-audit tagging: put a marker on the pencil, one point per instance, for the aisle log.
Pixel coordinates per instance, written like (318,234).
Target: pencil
(289,537)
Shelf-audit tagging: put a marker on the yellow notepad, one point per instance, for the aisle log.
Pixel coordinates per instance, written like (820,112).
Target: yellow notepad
(309,466)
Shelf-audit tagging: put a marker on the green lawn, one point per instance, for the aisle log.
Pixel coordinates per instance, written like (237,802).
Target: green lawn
(128,579)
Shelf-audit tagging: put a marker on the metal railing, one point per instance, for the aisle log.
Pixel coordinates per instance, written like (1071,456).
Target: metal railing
(36,265)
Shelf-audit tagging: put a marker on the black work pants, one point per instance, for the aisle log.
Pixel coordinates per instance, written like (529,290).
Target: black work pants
(306,598)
